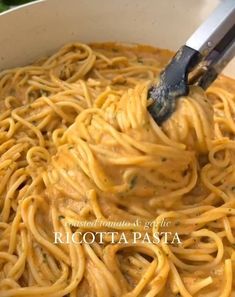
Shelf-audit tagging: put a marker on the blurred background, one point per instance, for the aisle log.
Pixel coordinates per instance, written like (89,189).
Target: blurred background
(6,4)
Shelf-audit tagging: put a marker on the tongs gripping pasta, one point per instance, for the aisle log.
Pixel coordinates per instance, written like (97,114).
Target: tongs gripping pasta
(206,52)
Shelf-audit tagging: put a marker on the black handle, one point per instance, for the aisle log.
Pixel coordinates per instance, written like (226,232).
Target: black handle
(173,83)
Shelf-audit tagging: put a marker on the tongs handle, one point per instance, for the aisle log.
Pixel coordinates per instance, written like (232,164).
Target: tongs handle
(215,62)
(203,56)
(212,31)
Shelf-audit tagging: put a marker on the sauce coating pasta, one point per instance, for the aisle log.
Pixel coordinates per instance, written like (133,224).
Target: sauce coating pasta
(78,144)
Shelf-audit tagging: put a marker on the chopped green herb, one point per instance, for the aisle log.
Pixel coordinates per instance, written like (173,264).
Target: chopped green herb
(140,60)
(44,257)
(44,93)
(33,95)
(63,75)
(133,182)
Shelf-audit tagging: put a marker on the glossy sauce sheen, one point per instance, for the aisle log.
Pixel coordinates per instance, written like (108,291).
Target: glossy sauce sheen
(78,145)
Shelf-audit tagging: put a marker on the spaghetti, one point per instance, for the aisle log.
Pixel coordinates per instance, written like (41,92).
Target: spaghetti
(77,144)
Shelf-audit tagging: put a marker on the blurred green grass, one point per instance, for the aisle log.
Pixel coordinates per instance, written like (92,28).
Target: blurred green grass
(3,7)
(6,4)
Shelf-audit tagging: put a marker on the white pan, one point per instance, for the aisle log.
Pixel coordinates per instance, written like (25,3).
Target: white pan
(38,29)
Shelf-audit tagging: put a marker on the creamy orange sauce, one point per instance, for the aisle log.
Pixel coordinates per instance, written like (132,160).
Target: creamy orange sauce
(82,147)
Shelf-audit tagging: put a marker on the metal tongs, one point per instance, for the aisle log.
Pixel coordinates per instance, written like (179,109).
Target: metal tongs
(205,54)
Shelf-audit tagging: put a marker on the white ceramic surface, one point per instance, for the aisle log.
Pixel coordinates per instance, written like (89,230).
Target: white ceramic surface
(38,29)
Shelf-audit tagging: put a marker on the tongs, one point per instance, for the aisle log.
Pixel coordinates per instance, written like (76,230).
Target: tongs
(198,62)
